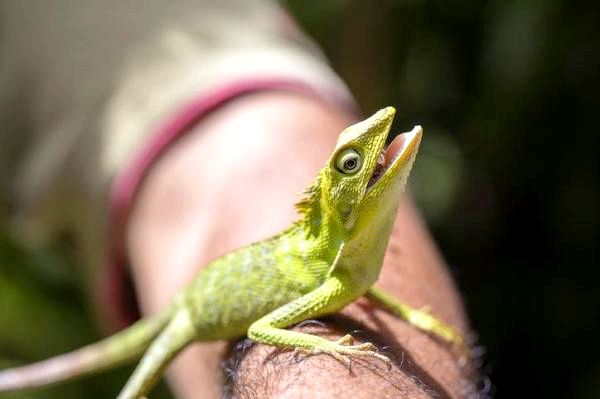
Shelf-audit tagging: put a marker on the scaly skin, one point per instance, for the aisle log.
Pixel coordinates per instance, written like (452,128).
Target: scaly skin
(326,260)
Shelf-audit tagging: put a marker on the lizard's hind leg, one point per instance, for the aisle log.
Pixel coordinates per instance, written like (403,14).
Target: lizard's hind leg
(179,332)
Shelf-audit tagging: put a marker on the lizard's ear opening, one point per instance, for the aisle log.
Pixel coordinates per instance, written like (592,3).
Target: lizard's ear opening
(347,215)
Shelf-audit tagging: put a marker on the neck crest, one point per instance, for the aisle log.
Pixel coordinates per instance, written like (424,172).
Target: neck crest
(310,209)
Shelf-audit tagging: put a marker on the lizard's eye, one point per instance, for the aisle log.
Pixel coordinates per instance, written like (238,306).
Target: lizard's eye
(349,161)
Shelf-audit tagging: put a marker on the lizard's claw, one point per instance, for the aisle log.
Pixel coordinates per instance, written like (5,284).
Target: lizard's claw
(343,351)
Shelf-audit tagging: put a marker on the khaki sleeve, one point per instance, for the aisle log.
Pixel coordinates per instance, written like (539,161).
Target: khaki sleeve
(107,85)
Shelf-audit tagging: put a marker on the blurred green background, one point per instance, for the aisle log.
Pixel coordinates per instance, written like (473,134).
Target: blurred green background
(507,92)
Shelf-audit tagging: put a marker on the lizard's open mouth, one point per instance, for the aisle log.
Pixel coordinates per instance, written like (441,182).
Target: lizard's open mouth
(399,151)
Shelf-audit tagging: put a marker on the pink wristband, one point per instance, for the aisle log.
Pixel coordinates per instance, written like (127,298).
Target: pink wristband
(117,306)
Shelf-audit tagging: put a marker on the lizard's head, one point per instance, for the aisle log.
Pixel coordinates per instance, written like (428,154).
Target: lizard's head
(362,177)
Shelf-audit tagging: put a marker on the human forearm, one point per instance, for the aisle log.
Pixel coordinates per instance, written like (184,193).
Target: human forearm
(195,206)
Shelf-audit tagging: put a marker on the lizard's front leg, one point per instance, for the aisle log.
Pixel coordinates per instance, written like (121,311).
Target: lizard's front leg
(329,297)
(418,318)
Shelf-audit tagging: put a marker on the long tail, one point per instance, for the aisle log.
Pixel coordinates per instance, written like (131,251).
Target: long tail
(113,351)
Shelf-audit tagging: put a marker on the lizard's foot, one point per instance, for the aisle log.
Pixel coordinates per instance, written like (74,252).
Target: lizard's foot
(343,351)
(425,321)
(422,319)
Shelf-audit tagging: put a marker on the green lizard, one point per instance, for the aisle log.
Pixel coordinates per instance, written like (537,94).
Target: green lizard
(330,257)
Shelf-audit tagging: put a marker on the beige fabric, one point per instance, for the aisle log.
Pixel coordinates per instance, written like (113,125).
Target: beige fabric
(82,83)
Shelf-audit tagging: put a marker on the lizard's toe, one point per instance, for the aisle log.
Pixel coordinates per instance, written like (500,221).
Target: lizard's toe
(345,340)
(343,351)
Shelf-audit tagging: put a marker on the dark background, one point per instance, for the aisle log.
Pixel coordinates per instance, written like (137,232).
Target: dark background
(507,92)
